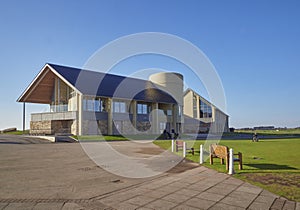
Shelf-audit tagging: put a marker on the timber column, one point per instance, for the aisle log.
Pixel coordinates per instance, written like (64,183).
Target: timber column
(198,106)
(174,117)
(155,124)
(80,115)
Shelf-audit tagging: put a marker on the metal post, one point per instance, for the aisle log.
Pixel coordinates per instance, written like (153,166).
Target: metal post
(172,145)
(201,154)
(231,169)
(184,149)
(24,117)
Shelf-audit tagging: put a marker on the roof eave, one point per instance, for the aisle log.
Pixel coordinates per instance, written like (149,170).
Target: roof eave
(33,83)
(20,99)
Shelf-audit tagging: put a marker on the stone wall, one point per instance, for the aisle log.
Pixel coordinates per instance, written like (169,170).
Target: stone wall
(61,126)
(41,127)
(144,126)
(102,126)
(127,127)
(89,127)
(51,127)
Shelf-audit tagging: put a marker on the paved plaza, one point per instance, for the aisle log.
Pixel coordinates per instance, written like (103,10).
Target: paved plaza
(35,174)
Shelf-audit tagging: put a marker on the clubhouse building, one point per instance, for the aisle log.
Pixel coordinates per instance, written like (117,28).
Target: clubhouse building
(84,102)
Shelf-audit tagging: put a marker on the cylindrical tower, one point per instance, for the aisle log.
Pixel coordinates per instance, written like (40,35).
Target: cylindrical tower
(172,83)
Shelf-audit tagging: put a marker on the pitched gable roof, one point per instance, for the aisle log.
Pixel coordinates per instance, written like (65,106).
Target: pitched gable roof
(101,84)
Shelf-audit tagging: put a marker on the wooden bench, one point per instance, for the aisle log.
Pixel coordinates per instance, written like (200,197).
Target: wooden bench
(179,145)
(222,152)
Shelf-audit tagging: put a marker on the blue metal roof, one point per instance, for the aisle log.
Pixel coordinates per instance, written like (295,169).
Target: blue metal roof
(110,85)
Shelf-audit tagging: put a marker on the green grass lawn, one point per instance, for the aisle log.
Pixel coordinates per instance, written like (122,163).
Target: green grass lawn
(272,164)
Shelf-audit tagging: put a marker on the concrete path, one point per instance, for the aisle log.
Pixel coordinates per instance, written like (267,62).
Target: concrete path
(61,176)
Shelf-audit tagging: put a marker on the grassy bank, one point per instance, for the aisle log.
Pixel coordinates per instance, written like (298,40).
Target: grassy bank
(271,164)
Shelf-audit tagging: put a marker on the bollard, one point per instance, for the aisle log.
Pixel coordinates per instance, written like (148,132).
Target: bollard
(231,166)
(201,154)
(172,145)
(184,149)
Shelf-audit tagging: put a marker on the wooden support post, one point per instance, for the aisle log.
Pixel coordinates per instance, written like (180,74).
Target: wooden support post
(110,117)
(134,115)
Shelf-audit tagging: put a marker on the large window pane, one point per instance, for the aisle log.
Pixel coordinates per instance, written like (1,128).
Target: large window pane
(119,107)
(97,105)
(122,107)
(205,110)
(142,108)
(169,112)
(116,107)
(90,105)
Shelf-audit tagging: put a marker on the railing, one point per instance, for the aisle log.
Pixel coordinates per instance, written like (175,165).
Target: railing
(59,108)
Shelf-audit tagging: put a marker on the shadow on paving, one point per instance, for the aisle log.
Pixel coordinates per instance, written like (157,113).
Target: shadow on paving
(183,166)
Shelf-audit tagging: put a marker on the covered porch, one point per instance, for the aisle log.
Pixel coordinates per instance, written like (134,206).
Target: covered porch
(52,89)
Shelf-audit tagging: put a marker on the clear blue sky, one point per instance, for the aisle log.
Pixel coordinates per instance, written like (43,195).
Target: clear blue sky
(254,45)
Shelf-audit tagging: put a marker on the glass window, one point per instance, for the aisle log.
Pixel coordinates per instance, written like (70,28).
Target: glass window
(95,105)
(145,107)
(139,109)
(142,109)
(90,105)
(169,112)
(122,107)
(205,110)
(119,107)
